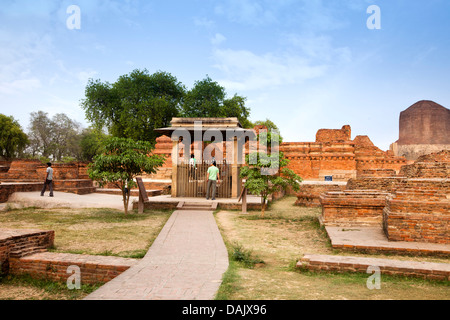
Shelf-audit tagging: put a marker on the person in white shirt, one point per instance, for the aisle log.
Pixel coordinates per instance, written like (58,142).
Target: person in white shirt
(192,166)
(48,180)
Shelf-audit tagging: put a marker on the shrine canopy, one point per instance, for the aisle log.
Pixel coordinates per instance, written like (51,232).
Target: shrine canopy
(197,127)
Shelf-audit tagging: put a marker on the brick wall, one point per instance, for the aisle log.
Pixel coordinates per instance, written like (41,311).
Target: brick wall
(326,263)
(29,175)
(309,193)
(358,207)
(25,252)
(332,154)
(54,266)
(7,189)
(19,243)
(419,214)
(334,135)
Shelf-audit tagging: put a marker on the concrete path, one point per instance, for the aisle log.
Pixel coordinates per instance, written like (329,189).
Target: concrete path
(69,200)
(185,262)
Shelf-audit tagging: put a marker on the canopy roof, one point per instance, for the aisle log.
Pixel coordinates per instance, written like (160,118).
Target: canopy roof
(226,126)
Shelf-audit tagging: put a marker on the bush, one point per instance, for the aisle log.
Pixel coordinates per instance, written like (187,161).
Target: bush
(244,256)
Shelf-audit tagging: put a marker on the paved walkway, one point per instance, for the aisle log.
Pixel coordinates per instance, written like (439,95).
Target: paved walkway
(185,262)
(69,200)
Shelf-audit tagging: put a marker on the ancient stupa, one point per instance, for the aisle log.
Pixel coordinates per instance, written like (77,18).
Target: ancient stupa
(424,129)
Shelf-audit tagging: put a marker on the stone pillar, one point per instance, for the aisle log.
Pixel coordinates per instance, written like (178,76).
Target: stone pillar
(236,187)
(175,157)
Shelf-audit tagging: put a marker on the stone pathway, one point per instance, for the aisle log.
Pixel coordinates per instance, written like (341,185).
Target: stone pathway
(185,262)
(69,200)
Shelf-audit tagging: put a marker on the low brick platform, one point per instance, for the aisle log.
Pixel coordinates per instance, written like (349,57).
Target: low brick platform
(422,215)
(53,266)
(310,191)
(133,192)
(373,240)
(19,243)
(353,207)
(424,270)
(25,252)
(8,188)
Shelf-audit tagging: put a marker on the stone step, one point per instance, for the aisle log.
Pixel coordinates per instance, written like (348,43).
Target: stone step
(133,192)
(197,206)
(80,191)
(424,270)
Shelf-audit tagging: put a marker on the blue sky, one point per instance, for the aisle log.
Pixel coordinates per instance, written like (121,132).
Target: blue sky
(304,64)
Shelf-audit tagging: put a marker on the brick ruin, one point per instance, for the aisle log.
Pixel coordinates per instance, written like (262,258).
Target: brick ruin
(333,154)
(413,206)
(29,175)
(25,252)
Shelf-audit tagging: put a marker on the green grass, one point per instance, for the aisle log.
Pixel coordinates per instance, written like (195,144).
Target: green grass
(244,256)
(230,282)
(280,239)
(50,290)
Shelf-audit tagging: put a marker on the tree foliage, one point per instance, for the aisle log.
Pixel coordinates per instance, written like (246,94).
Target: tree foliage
(208,99)
(135,105)
(12,139)
(56,137)
(124,159)
(91,143)
(266,171)
(269,124)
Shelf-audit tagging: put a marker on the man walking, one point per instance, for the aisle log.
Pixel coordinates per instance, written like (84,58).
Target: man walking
(212,176)
(48,180)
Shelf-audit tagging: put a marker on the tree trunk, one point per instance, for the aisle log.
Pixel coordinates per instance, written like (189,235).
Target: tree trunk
(263,207)
(125,200)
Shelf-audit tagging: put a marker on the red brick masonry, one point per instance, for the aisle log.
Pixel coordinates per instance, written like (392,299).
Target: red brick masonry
(25,252)
(424,270)
(19,243)
(54,266)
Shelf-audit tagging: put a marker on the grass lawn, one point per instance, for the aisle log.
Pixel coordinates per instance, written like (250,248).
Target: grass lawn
(263,253)
(280,240)
(80,231)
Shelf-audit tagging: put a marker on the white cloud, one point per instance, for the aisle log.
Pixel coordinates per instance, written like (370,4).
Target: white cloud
(21,52)
(203,22)
(84,76)
(19,86)
(319,47)
(245,70)
(218,39)
(247,11)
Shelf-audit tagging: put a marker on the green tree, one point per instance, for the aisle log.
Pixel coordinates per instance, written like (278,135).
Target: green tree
(56,137)
(12,139)
(122,161)
(208,99)
(91,143)
(235,107)
(65,137)
(268,124)
(40,135)
(266,171)
(135,105)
